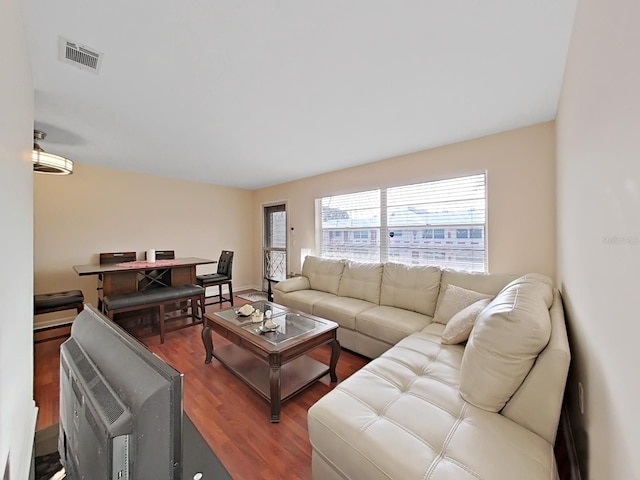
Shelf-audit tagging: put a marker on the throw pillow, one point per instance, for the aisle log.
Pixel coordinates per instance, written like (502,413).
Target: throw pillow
(454,300)
(459,327)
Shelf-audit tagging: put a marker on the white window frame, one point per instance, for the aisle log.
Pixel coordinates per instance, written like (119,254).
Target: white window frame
(421,208)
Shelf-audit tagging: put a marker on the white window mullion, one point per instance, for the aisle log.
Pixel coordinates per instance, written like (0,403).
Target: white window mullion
(384,230)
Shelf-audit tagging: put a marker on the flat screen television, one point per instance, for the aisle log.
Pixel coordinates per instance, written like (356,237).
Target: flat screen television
(120,405)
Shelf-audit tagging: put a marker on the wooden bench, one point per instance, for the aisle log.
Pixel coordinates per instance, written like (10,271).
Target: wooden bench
(56,302)
(158,298)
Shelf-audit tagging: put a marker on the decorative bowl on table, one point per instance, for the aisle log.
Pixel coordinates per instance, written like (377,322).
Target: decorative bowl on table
(245,311)
(268,326)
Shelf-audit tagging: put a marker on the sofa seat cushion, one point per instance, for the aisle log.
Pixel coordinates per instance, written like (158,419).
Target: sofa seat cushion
(390,324)
(302,300)
(342,310)
(401,416)
(434,330)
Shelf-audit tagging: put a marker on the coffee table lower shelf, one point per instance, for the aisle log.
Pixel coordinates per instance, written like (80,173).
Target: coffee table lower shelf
(294,375)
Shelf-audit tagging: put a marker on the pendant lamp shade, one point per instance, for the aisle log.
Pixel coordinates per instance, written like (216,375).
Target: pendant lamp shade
(44,162)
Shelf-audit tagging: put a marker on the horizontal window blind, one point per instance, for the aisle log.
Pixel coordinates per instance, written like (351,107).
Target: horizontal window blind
(439,223)
(350,226)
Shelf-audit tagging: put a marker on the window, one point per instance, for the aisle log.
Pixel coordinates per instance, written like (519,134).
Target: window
(409,224)
(346,224)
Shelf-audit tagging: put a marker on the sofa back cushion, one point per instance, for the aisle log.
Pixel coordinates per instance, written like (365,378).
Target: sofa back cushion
(413,288)
(362,281)
(536,405)
(489,283)
(507,337)
(323,273)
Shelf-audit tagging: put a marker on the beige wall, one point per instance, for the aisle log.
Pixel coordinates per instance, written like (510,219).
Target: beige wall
(520,167)
(105,210)
(17,408)
(599,232)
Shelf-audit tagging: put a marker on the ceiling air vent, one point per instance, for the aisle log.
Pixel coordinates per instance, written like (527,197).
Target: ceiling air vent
(79,55)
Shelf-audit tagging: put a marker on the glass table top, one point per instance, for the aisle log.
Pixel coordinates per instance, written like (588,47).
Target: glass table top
(231,315)
(289,325)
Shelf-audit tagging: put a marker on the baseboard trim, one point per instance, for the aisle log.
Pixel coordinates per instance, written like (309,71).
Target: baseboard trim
(241,288)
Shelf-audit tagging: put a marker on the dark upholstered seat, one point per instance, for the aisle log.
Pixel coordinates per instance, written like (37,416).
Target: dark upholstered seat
(58,301)
(155,295)
(159,298)
(220,278)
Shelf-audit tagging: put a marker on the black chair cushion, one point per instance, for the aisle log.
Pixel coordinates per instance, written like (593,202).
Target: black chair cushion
(156,295)
(57,299)
(212,279)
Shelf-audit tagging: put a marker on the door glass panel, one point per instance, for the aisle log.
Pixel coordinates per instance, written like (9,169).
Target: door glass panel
(275,242)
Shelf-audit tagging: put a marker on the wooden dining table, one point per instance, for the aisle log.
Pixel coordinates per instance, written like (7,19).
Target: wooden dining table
(125,277)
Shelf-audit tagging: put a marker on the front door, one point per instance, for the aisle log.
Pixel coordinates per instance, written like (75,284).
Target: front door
(274,244)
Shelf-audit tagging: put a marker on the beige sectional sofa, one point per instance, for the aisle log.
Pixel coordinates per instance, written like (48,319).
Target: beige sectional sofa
(433,405)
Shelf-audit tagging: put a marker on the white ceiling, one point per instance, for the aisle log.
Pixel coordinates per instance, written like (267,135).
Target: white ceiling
(251,93)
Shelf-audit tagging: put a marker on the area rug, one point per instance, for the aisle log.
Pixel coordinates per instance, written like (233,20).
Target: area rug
(253,297)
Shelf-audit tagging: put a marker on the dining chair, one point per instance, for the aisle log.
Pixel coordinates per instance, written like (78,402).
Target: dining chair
(223,276)
(110,258)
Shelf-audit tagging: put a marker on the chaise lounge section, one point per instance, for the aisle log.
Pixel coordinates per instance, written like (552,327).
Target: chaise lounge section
(466,381)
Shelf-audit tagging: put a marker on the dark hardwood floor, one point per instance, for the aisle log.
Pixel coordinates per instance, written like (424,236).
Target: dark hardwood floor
(231,417)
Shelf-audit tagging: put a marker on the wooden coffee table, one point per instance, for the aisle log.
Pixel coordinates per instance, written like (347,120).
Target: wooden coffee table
(274,364)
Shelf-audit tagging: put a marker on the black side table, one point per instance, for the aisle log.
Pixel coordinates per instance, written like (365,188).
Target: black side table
(271,281)
(269,289)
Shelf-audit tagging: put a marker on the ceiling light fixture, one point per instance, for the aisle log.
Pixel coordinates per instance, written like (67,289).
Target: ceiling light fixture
(44,162)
